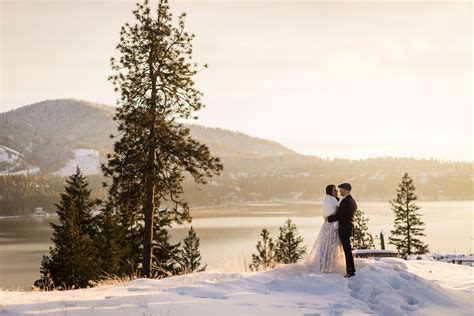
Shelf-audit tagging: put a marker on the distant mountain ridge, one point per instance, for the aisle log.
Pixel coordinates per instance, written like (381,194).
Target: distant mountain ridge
(54,136)
(47,133)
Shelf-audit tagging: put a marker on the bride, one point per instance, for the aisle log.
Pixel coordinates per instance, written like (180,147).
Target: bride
(327,254)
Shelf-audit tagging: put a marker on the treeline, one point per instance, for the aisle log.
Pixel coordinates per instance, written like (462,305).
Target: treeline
(284,176)
(20,194)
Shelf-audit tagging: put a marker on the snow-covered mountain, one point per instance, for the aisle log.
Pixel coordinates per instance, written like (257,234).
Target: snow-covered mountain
(13,162)
(386,287)
(48,132)
(88,160)
(49,135)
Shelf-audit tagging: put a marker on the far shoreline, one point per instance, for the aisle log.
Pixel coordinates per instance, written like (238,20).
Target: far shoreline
(272,203)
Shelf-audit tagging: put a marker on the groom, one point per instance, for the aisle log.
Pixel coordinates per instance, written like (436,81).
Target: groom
(345,214)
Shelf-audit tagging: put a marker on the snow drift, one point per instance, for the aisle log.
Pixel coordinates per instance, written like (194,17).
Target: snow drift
(385,287)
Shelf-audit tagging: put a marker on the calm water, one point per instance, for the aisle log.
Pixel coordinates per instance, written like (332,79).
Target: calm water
(228,235)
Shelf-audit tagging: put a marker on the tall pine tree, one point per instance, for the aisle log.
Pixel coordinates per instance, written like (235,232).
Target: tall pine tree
(265,257)
(289,248)
(155,78)
(72,261)
(408,224)
(361,238)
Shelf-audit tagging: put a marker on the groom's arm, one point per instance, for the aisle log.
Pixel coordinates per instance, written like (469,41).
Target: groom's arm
(341,213)
(333,218)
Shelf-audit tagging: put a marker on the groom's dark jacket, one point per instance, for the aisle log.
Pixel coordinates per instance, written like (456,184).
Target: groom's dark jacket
(345,215)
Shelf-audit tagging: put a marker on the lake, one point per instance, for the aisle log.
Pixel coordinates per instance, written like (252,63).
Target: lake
(229,234)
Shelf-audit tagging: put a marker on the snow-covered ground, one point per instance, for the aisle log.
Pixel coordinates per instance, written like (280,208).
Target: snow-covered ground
(8,155)
(28,171)
(386,287)
(13,162)
(467,260)
(88,161)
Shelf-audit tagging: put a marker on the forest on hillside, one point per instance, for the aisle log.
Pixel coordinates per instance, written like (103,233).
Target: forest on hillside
(267,179)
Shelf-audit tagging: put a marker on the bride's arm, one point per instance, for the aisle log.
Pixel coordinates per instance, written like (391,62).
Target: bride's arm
(329,207)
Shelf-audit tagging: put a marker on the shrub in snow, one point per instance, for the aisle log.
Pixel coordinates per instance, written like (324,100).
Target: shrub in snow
(190,254)
(265,257)
(289,247)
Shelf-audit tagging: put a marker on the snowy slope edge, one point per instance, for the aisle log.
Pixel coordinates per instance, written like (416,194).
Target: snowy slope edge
(388,287)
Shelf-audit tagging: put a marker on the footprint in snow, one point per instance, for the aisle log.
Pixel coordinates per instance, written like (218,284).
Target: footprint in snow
(412,301)
(408,308)
(395,283)
(200,293)
(407,276)
(376,292)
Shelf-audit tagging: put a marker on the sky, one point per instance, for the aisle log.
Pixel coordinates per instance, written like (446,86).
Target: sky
(351,79)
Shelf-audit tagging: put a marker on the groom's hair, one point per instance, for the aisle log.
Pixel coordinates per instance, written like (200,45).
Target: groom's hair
(329,189)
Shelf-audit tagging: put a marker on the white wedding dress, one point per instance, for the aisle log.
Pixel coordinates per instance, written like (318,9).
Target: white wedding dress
(327,254)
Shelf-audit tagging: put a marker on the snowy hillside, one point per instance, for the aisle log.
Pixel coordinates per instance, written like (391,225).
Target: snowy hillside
(13,162)
(48,131)
(88,160)
(255,169)
(386,287)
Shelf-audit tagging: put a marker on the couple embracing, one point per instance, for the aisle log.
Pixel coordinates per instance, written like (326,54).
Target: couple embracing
(332,249)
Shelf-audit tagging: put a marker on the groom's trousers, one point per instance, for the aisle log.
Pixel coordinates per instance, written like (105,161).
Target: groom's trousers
(346,245)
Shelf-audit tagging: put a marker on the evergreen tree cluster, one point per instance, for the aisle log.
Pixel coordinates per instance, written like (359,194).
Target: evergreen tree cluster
(154,76)
(89,248)
(152,156)
(287,249)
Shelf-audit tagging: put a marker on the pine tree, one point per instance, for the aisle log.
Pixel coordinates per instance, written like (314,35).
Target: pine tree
(408,223)
(71,262)
(112,245)
(166,256)
(191,256)
(361,238)
(155,77)
(289,248)
(265,258)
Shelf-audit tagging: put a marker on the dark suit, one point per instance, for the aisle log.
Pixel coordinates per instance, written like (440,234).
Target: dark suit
(345,215)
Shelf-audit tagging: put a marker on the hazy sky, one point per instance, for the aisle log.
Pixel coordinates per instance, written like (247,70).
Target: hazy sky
(335,79)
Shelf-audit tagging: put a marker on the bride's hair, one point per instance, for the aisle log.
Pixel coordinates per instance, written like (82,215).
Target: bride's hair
(329,189)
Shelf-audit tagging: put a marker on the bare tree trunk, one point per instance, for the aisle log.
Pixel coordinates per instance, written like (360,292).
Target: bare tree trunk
(149,208)
(149,205)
